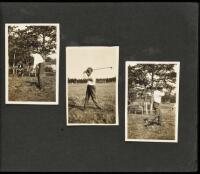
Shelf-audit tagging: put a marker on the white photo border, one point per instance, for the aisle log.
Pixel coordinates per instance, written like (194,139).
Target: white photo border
(116,92)
(56,102)
(177,100)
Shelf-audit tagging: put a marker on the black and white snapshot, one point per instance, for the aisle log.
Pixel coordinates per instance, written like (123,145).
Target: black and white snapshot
(152,90)
(32,63)
(92,85)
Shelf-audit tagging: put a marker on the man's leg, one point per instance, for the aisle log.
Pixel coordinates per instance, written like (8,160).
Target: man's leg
(38,74)
(93,95)
(41,75)
(158,114)
(87,97)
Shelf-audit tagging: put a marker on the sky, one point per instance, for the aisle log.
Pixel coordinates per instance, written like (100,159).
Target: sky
(80,58)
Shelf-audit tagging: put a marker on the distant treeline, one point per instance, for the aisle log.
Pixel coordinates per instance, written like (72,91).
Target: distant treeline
(101,80)
(135,95)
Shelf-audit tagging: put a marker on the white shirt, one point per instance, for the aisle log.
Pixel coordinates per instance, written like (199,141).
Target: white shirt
(157,96)
(91,80)
(37,59)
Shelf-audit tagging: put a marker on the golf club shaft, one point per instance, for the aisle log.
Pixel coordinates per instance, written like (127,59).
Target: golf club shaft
(102,68)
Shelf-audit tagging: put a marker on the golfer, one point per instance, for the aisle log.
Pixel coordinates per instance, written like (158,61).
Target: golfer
(40,74)
(157,95)
(91,88)
(39,66)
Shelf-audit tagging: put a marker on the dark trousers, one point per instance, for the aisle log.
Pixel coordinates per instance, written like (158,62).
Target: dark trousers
(156,107)
(40,74)
(91,92)
(20,72)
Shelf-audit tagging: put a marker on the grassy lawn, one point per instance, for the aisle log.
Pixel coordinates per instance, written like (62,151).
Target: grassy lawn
(25,89)
(105,93)
(137,130)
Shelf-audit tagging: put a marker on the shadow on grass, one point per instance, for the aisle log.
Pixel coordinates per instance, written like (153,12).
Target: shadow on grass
(71,106)
(33,84)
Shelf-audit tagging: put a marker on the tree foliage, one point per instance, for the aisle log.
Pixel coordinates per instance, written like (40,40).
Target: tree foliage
(151,76)
(30,39)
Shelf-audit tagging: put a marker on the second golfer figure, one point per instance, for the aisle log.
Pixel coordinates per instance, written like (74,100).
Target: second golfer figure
(91,88)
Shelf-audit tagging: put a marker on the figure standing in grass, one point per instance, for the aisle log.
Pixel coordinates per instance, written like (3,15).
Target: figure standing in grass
(157,94)
(20,69)
(39,66)
(91,88)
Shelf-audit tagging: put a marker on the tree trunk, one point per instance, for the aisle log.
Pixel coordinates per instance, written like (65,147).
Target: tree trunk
(14,64)
(152,80)
(43,47)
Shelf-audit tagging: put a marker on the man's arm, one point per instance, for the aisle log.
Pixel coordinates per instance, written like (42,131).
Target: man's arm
(90,79)
(162,93)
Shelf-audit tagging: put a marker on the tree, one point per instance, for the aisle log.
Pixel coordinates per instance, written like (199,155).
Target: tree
(30,39)
(150,76)
(43,39)
(13,46)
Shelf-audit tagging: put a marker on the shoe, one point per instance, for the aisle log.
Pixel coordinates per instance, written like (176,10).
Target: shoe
(159,123)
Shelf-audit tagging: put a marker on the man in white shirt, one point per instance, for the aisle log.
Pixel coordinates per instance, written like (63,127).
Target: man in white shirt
(91,88)
(39,65)
(37,59)
(157,95)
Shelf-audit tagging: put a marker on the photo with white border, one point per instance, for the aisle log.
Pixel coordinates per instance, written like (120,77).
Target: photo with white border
(151,101)
(32,63)
(92,85)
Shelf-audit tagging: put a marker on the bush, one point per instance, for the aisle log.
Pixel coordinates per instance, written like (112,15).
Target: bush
(48,69)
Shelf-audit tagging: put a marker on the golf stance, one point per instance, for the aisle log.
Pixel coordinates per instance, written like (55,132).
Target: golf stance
(91,88)
(157,94)
(40,69)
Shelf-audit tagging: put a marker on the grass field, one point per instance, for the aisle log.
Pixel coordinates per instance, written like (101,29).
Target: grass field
(137,130)
(105,93)
(25,89)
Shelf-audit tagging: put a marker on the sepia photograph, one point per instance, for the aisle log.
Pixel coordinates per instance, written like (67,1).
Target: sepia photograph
(92,85)
(151,101)
(32,63)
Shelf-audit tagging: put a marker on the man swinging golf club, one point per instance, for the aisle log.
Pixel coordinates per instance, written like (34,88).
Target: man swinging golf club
(91,88)
(39,66)
(157,95)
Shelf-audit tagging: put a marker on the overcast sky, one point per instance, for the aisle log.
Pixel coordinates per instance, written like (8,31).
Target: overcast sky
(80,58)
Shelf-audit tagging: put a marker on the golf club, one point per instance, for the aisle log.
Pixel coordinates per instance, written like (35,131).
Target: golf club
(103,68)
